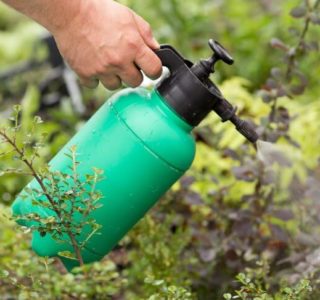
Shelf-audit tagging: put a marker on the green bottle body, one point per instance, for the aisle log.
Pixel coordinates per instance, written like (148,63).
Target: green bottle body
(142,146)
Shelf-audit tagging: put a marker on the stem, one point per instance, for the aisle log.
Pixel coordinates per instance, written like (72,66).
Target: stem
(33,171)
(76,248)
(46,193)
(260,209)
(303,34)
(273,111)
(94,184)
(257,190)
(74,165)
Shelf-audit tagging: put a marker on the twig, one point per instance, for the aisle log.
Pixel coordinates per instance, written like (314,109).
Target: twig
(303,34)
(76,248)
(45,191)
(273,110)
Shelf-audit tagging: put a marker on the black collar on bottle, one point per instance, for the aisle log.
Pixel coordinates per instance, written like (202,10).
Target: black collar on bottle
(185,93)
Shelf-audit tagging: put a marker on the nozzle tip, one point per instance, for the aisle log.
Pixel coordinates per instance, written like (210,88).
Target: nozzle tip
(248,131)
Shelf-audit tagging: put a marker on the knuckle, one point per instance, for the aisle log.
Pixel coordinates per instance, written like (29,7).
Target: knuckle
(101,70)
(130,16)
(132,42)
(85,82)
(83,75)
(110,87)
(84,72)
(113,87)
(132,78)
(147,29)
(80,72)
(115,60)
(141,52)
(136,81)
(111,84)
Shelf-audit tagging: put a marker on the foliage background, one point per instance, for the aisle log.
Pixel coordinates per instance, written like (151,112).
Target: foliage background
(232,212)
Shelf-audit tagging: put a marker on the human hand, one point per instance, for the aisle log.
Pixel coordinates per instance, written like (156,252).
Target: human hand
(108,42)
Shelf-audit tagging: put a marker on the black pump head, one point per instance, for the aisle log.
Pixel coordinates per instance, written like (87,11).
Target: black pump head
(190,92)
(205,67)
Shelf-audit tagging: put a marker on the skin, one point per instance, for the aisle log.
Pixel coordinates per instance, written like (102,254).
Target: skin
(101,40)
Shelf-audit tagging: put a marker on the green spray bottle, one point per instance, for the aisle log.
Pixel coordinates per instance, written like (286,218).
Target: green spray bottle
(142,141)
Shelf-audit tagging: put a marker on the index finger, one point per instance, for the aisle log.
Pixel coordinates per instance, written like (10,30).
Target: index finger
(149,62)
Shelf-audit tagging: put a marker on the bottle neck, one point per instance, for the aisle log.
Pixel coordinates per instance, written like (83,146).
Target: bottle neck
(161,104)
(191,98)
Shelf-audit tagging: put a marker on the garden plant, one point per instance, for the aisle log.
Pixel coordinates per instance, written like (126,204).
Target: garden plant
(243,222)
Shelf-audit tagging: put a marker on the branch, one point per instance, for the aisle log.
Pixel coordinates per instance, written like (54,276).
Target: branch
(33,171)
(45,191)
(301,39)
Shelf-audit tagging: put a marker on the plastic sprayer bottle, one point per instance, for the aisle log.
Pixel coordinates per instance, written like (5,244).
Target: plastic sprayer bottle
(142,140)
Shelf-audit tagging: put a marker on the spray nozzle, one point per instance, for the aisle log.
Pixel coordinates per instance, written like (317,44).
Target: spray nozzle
(227,112)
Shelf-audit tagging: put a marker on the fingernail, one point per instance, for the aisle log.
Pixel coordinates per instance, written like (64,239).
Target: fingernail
(156,44)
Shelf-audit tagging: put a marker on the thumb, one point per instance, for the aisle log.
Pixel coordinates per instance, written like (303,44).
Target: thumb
(146,32)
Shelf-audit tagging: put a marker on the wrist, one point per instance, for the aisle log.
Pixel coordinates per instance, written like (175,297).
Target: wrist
(52,14)
(63,14)
(73,14)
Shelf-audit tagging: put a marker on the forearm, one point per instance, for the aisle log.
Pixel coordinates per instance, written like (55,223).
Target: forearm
(111,54)
(52,14)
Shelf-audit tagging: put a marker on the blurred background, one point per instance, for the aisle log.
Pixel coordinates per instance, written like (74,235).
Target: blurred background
(236,211)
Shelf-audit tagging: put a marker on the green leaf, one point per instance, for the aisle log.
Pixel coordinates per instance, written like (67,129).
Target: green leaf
(4,273)
(67,254)
(17,109)
(97,171)
(287,290)
(30,105)
(37,120)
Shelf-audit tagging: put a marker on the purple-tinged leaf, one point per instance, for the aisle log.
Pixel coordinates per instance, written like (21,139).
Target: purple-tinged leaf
(231,153)
(186,181)
(271,84)
(193,198)
(314,46)
(276,73)
(279,233)
(266,96)
(269,177)
(207,255)
(244,228)
(283,214)
(297,89)
(245,173)
(315,18)
(314,257)
(281,92)
(278,44)
(299,12)
(305,239)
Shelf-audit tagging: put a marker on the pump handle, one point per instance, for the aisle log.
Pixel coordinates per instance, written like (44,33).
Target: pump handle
(220,53)
(171,58)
